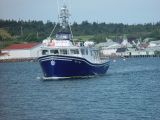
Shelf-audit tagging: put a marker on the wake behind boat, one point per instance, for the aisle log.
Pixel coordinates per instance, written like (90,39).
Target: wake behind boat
(60,58)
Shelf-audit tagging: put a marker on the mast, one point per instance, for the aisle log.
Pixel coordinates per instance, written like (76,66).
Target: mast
(64,16)
(64,24)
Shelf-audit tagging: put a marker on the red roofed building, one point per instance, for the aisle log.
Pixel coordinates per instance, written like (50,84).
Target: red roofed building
(23,50)
(21,46)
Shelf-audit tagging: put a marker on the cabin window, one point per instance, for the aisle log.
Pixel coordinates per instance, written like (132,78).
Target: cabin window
(74,51)
(54,51)
(63,51)
(86,52)
(83,51)
(44,52)
(62,36)
(93,53)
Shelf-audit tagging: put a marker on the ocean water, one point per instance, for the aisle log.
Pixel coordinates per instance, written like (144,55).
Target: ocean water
(129,91)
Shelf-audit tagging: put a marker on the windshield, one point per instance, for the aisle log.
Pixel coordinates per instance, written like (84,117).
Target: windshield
(63,36)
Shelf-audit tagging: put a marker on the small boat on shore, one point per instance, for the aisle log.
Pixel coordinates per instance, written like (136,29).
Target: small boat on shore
(60,58)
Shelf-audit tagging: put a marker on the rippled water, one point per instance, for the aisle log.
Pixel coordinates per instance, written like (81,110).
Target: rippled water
(129,91)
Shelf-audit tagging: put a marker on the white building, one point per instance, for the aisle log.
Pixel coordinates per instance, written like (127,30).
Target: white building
(125,43)
(21,51)
(154,43)
(109,48)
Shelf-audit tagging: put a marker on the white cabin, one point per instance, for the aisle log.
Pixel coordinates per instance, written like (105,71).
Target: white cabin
(91,55)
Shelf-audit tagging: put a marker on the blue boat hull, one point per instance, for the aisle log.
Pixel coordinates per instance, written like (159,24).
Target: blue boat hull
(60,67)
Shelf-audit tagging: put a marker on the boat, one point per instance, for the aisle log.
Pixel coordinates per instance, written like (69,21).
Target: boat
(62,58)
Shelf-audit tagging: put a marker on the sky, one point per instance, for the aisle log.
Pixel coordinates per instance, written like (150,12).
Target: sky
(109,11)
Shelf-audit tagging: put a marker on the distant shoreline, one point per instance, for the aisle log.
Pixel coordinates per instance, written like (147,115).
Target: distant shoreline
(19,60)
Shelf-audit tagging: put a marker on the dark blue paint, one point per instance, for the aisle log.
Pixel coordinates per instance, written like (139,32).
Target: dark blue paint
(73,68)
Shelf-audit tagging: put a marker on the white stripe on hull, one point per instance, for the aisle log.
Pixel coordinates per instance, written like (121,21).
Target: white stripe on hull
(60,78)
(70,59)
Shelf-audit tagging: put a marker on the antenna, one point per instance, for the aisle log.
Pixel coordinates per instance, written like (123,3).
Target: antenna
(53,30)
(64,2)
(64,16)
(71,30)
(58,10)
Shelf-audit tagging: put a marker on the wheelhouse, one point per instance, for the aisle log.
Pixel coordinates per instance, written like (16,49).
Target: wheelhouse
(89,54)
(63,36)
(69,51)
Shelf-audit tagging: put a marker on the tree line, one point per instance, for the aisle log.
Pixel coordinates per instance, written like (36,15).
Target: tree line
(38,30)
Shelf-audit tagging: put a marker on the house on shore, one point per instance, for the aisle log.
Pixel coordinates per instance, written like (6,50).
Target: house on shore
(108,48)
(154,44)
(21,51)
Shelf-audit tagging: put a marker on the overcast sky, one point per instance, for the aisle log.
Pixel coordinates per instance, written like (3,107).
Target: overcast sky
(109,11)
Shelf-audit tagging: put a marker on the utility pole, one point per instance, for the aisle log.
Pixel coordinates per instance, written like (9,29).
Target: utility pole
(37,35)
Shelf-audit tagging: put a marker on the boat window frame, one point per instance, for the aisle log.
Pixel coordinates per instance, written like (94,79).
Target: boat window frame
(83,51)
(63,36)
(54,52)
(62,53)
(87,52)
(46,53)
(77,52)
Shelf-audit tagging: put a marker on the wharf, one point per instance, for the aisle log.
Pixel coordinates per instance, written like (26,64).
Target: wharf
(128,56)
(141,56)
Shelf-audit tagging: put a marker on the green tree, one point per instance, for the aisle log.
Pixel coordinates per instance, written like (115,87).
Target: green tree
(4,35)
